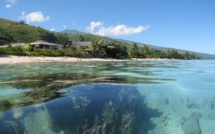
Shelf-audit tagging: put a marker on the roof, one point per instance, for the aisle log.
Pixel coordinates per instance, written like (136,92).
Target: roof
(18,44)
(43,43)
(80,44)
(14,44)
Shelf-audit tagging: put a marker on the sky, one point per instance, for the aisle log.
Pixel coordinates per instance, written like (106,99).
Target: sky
(182,24)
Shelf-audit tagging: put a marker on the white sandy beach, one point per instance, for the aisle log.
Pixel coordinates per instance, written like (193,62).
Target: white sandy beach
(31,59)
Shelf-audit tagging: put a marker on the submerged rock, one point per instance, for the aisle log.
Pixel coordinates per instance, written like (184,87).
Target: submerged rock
(191,125)
(11,127)
(104,109)
(211,115)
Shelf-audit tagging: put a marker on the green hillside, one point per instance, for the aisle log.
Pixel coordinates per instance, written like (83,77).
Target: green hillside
(12,32)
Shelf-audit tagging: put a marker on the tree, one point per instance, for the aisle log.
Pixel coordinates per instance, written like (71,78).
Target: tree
(81,37)
(146,51)
(22,22)
(158,54)
(189,56)
(134,52)
(27,48)
(174,54)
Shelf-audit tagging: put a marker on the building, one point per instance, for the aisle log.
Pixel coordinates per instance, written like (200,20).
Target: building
(18,44)
(82,45)
(15,45)
(40,44)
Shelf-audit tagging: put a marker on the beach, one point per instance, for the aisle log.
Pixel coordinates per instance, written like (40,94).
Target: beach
(32,59)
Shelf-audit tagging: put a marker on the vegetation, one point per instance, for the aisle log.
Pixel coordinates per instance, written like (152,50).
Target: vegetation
(146,52)
(112,49)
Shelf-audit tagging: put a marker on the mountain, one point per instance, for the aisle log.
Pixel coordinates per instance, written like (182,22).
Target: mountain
(13,32)
(72,32)
(88,37)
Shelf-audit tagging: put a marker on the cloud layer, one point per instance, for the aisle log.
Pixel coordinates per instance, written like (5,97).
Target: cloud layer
(10,3)
(114,30)
(34,17)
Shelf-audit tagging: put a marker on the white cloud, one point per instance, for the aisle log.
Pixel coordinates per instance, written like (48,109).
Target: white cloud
(64,26)
(114,30)
(34,17)
(93,25)
(12,1)
(8,6)
(52,29)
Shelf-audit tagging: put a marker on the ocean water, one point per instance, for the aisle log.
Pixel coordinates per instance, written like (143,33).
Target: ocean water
(135,97)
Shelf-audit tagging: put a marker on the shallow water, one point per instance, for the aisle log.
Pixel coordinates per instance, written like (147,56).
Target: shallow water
(154,97)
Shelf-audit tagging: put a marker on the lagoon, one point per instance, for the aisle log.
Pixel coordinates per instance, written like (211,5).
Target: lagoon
(123,97)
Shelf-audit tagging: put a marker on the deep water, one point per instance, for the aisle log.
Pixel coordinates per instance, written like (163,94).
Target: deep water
(145,97)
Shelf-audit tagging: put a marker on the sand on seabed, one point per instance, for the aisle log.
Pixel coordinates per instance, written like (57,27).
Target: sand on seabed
(32,59)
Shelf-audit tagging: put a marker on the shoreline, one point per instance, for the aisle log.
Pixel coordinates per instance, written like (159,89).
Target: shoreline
(32,59)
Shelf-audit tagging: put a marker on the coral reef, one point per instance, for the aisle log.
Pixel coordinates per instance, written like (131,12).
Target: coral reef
(108,109)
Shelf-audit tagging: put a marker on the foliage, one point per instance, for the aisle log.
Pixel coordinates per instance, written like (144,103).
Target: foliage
(173,54)
(105,48)
(12,51)
(81,37)
(146,52)
(134,52)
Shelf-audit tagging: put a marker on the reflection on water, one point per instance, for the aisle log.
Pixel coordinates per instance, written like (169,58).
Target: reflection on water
(158,97)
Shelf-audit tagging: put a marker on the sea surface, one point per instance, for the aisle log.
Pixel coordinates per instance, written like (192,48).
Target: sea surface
(129,97)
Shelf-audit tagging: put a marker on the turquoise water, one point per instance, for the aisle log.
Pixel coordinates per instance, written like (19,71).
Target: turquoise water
(154,97)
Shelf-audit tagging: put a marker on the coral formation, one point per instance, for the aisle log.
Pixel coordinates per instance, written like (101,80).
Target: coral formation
(107,109)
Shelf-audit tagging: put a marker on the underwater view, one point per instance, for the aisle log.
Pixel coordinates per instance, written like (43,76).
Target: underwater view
(126,97)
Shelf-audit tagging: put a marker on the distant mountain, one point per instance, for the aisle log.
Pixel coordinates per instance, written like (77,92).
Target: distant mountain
(72,32)
(87,36)
(13,32)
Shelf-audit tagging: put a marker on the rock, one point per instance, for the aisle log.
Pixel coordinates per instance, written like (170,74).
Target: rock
(106,109)
(191,125)
(11,127)
(211,116)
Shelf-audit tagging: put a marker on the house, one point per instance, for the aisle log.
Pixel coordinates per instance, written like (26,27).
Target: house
(15,45)
(45,45)
(67,44)
(40,44)
(82,45)
(18,44)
